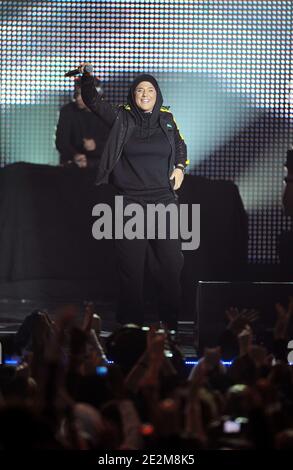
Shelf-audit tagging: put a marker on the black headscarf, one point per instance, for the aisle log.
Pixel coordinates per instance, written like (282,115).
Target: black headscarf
(147,122)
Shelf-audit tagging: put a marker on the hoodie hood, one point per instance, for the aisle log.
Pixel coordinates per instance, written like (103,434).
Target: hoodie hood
(146,121)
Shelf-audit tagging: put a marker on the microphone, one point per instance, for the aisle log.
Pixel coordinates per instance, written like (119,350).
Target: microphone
(87,68)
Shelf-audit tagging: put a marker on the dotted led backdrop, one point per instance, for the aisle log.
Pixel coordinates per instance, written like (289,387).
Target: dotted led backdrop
(223,66)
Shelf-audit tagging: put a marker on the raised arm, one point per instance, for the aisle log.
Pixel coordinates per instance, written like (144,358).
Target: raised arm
(94,101)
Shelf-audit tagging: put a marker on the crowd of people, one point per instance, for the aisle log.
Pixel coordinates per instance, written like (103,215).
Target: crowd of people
(73,389)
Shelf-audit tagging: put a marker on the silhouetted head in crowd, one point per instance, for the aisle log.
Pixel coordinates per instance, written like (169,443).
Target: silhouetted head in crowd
(126,346)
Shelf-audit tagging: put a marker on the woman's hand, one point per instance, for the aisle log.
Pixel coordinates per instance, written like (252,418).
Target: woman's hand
(178,176)
(82,66)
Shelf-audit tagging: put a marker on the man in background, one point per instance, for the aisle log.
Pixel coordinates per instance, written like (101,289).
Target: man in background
(80,134)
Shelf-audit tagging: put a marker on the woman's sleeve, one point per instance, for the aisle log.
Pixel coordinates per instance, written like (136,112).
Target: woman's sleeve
(180,146)
(102,108)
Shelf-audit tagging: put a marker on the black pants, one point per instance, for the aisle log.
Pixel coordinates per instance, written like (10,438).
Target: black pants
(131,260)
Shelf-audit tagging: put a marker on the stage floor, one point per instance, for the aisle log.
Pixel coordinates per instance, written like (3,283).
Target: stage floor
(13,312)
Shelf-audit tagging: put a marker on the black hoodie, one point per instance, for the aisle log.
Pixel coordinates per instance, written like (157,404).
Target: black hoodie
(122,121)
(142,172)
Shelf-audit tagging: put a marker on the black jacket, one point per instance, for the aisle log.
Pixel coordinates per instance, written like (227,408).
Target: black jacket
(122,120)
(73,126)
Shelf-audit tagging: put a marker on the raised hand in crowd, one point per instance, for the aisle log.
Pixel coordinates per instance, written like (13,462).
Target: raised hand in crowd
(283,318)
(239,319)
